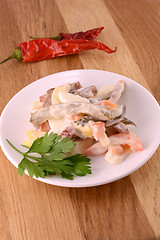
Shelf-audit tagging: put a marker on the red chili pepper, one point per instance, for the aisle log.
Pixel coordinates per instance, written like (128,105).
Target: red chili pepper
(90,34)
(45,48)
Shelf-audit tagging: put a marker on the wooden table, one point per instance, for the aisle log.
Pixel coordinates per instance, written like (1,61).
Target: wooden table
(128,209)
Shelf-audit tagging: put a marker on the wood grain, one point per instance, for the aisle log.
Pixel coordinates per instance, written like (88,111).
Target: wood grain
(128,209)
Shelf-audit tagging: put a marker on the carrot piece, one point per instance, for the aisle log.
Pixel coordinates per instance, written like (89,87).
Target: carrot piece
(108,104)
(75,117)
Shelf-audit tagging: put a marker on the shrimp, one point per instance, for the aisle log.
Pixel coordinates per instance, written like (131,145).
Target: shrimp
(98,129)
(126,138)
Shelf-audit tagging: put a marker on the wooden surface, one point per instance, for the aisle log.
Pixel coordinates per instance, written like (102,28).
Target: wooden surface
(123,210)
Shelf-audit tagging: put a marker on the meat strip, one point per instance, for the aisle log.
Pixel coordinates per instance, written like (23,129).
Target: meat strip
(75,86)
(117,92)
(46,98)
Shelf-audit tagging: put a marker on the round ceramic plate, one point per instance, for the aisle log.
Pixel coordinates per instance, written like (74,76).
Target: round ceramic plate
(141,107)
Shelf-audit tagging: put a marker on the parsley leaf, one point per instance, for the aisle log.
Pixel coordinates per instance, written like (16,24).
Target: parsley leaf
(68,176)
(80,164)
(43,144)
(32,168)
(51,158)
(64,145)
(56,166)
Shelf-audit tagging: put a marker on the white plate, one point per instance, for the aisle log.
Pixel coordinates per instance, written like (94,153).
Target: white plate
(141,106)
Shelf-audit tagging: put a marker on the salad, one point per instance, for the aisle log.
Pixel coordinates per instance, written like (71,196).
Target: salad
(91,117)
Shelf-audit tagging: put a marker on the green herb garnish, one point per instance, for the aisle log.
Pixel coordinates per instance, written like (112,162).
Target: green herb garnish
(48,156)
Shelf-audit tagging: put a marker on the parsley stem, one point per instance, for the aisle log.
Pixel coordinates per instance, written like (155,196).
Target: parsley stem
(32,157)
(15,147)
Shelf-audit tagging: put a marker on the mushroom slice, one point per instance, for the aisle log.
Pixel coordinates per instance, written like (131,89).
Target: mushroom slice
(127,121)
(87,92)
(61,110)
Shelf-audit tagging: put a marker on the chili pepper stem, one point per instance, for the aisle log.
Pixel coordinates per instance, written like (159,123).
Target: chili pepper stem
(16,54)
(10,57)
(6,60)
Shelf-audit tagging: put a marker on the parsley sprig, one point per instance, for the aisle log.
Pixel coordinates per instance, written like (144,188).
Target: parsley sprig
(48,156)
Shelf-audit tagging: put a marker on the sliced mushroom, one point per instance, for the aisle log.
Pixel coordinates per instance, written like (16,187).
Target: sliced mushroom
(60,111)
(87,92)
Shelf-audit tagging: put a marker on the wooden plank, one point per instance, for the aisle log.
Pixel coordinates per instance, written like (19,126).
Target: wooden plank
(126,209)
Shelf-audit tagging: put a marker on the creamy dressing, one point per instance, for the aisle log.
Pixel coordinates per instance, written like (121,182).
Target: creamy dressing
(66,97)
(58,125)
(60,111)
